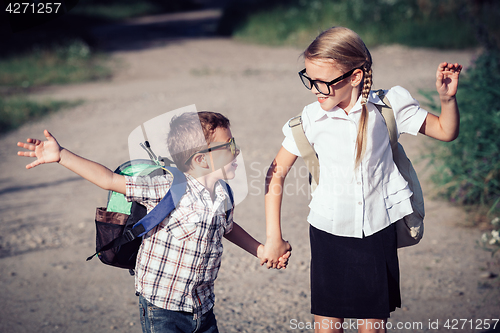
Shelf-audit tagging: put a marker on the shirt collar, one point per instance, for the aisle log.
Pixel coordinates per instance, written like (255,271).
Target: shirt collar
(194,184)
(337,112)
(198,189)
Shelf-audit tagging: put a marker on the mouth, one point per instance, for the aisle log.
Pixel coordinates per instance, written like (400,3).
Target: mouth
(322,99)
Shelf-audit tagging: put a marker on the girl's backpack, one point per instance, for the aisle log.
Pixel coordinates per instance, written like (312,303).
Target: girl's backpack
(410,229)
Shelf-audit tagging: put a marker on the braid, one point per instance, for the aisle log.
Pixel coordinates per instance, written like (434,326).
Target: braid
(363,122)
(367,84)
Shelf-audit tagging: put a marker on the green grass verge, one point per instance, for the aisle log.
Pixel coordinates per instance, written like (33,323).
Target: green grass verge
(415,23)
(468,169)
(71,62)
(117,10)
(15,111)
(57,64)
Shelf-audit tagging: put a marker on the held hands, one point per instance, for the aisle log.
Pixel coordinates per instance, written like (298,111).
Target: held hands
(45,151)
(447,79)
(276,254)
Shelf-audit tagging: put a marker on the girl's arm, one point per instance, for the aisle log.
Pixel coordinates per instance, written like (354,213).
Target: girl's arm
(239,237)
(51,152)
(446,126)
(275,178)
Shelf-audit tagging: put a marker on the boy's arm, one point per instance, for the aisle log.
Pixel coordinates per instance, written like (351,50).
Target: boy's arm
(446,126)
(50,152)
(241,238)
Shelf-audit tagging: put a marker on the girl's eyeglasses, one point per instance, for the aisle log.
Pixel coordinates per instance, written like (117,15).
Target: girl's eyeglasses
(235,150)
(322,86)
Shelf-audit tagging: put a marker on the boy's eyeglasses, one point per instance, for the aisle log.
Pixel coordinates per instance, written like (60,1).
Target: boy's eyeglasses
(235,150)
(322,86)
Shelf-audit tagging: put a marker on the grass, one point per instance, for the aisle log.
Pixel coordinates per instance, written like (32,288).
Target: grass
(58,64)
(57,54)
(16,111)
(416,23)
(114,10)
(70,62)
(468,169)
(50,54)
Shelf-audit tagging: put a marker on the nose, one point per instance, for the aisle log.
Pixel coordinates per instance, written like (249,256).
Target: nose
(315,90)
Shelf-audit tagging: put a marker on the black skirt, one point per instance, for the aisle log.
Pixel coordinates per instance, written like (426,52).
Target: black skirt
(354,277)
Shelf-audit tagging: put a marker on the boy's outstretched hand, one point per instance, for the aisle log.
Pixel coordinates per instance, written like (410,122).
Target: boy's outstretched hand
(45,151)
(447,79)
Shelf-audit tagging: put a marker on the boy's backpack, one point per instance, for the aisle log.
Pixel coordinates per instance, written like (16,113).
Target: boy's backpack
(121,224)
(410,228)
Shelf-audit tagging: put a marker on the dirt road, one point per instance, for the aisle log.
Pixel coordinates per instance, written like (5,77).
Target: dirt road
(46,220)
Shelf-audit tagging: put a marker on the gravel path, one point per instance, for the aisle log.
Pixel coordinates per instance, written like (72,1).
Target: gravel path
(46,214)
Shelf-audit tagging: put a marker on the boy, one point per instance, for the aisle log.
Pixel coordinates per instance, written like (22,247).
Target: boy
(179,259)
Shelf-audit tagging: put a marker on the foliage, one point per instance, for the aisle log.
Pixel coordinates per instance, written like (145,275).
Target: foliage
(16,111)
(57,64)
(123,9)
(427,23)
(69,62)
(59,52)
(490,241)
(468,169)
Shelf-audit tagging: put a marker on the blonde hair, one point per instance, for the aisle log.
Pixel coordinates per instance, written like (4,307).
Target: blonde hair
(346,48)
(189,132)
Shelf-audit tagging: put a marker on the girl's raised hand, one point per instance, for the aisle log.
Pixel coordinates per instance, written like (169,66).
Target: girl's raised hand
(45,151)
(447,79)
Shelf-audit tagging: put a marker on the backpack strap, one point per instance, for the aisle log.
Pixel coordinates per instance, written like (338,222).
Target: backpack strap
(306,150)
(229,202)
(388,114)
(164,207)
(155,216)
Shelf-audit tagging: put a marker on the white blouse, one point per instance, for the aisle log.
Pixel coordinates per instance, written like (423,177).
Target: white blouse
(357,202)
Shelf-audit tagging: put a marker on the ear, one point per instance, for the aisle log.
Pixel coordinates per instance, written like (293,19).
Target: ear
(199,160)
(357,77)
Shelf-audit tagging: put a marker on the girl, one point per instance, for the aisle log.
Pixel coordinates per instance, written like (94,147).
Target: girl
(354,263)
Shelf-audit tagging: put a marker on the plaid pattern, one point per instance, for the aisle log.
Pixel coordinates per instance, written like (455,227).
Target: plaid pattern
(179,259)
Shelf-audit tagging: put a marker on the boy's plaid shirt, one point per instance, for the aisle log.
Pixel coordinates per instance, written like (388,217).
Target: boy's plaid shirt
(179,259)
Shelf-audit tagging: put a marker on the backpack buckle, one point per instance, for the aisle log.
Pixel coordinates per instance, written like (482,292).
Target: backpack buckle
(129,235)
(295,121)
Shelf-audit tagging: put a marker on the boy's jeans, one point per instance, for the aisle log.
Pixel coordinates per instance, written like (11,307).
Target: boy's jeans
(158,320)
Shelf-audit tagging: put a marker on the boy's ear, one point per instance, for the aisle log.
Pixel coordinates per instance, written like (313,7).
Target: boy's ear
(199,160)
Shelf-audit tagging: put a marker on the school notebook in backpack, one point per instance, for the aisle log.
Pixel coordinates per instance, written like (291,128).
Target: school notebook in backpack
(410,228)
(121,224)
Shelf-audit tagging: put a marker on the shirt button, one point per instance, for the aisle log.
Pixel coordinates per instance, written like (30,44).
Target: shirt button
(360,203)
(359,183)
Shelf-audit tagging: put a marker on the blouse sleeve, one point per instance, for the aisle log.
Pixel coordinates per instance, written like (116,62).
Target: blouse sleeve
(289,142)
(407,111)
(308,114)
